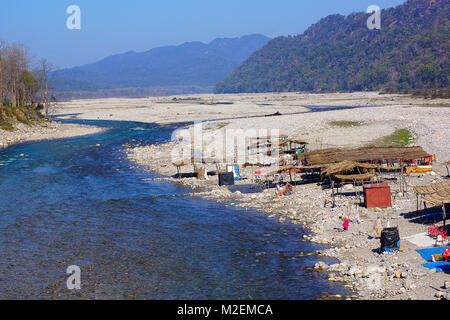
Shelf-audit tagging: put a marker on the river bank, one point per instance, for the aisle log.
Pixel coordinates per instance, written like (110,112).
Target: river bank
(44,130)
(399,275)
(80,202)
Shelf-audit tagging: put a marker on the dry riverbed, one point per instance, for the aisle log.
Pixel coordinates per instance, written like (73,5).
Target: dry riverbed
(371,275)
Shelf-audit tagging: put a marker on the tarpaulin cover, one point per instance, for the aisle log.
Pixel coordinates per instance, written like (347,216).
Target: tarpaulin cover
(438,265)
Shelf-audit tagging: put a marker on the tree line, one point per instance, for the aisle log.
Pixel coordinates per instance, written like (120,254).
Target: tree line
(23,82)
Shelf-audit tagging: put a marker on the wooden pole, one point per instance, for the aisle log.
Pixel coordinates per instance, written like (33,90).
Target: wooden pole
(332,190)
(406,186)
(417,198)
(444,215)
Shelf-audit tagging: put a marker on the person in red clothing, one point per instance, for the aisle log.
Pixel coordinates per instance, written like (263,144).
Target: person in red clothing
(346,223)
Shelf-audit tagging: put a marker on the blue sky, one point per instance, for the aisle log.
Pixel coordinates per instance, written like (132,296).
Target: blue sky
(111,27)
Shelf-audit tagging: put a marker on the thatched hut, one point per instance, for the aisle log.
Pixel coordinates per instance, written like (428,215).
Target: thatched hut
(366,154)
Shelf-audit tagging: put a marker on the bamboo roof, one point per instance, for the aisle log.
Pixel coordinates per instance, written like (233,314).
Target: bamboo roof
(334,155)
(345,166)
(355,177)
(433,188)
(437,199)
(436,194)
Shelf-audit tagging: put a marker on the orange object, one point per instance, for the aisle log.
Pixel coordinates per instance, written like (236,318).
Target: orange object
(422,169)
(377,195)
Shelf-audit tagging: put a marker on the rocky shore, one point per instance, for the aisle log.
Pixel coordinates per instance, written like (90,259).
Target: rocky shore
(44,131)
(362,268)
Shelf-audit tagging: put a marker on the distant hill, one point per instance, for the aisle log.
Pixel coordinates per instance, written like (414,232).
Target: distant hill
(192,65)
(410,51)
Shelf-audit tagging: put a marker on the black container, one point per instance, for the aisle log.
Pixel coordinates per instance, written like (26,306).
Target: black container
(389,238)
(226,178)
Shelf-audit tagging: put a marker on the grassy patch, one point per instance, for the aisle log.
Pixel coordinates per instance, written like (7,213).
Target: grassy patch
(400,138)
(4,125)
(345,123)
(9,116)
(217,126)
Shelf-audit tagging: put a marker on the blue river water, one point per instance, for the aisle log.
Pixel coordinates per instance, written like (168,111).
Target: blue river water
(79,201)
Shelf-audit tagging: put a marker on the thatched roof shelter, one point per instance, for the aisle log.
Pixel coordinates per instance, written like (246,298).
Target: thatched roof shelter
(355,177)
(437,199)
(436,194)
(334,155)
(353,166)
(441,198)
(440,187)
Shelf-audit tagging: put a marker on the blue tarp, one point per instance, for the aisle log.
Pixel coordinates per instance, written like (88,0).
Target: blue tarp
(438,265)
(237,176)
(392,250)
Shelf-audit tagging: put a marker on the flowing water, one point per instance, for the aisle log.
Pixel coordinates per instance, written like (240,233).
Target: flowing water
(79,201)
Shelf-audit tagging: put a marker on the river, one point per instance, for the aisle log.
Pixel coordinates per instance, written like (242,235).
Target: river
(79,201)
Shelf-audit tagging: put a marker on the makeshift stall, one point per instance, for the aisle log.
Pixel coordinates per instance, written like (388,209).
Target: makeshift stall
(435,194)
(387,155)
(377,195)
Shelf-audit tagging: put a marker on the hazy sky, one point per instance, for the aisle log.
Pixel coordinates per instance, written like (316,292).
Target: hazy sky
(111,26)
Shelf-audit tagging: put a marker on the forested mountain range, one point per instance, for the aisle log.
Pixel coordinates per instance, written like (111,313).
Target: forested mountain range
(340,53)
